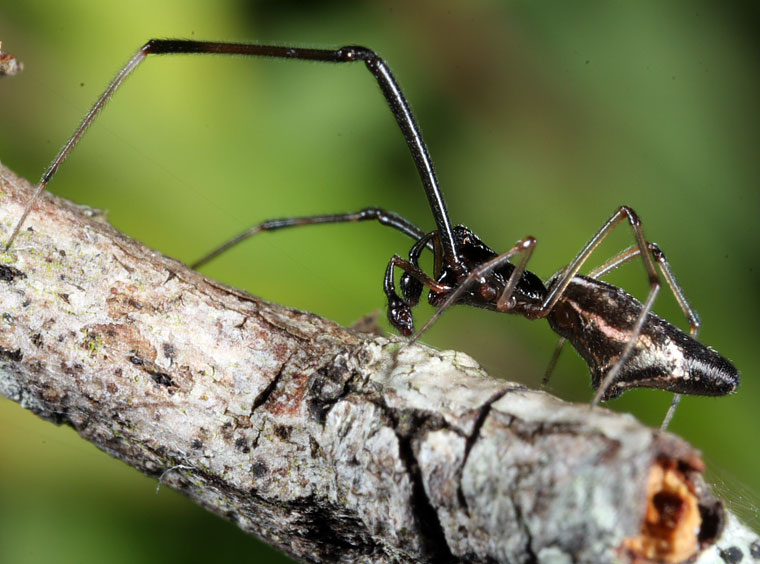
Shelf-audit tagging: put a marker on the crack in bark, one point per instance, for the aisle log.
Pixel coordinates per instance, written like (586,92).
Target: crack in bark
(408,426)
(266,392)
(529,431)
(328,385)
(425,514)
(472,438)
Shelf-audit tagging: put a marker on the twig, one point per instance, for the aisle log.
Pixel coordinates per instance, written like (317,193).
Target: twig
(331,445)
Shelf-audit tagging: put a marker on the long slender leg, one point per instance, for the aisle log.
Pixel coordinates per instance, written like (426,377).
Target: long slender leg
(659,256)
(376,65)
(384,217)
(413,280)
(524,247)
(691,315)
(621,214)
(553,361)
(599,272)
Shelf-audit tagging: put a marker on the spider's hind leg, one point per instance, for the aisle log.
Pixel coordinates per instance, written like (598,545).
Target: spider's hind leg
(623,213)
(691,315)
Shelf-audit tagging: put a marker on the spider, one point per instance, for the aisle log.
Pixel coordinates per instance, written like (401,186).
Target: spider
(625,344)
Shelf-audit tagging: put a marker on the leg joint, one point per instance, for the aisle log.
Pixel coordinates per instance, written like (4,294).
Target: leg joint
(633,217)
(657,253)
(356,53)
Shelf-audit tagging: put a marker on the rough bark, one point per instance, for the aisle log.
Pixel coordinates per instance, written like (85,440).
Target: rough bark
(332,445)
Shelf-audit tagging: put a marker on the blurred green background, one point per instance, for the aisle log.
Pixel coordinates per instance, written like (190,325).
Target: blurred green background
(542,118)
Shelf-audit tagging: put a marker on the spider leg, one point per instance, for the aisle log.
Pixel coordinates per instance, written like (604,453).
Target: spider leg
(691,315)
(384,217)
(553,362)
(623,213)
(376,65)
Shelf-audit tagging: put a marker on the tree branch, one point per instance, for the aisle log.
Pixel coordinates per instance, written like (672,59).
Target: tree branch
(332,445)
